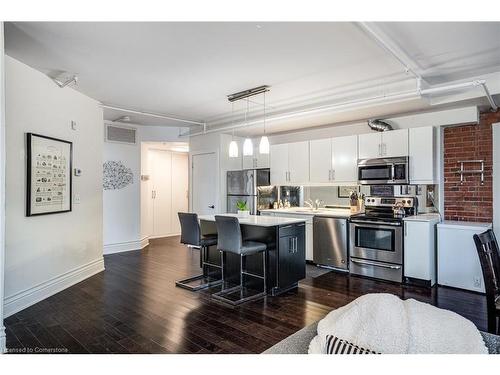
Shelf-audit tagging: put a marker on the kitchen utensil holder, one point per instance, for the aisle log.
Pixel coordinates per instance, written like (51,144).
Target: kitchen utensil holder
(464,171)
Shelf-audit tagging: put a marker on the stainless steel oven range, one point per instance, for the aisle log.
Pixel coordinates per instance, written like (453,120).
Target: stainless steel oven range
(376,237)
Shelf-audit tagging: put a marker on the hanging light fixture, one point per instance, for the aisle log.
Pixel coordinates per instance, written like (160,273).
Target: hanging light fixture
(233,146)
(247,145)
(264,141)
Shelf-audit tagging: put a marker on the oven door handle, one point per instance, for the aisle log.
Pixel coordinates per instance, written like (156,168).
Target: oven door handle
(368,263)
(367,223)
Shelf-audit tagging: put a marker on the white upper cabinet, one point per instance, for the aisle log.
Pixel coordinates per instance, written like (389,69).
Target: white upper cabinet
(422,154)
(345,159)
(388,144)
(395,143)
(279,164)
(289,163)
(369,145)
(298,162)
(227,163)
(257,160)
(334,160)
(320,163)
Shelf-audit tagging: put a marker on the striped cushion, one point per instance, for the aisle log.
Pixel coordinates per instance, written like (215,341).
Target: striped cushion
(334,345)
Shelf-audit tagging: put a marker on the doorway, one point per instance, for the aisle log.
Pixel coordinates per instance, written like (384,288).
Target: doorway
(167,187)
(204,181)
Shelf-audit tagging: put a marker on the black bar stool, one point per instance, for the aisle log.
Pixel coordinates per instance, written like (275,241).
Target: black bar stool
(191,236)
(229,240)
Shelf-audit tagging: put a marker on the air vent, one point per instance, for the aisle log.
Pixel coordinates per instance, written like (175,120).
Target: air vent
(120,134)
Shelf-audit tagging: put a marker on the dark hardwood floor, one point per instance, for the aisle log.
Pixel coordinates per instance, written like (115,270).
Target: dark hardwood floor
(134,307)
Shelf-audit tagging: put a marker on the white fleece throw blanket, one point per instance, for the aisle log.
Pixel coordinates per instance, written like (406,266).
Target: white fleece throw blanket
(386,324)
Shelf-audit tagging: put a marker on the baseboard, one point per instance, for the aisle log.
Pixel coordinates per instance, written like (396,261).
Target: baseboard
(28,297)
(164,236)
(125,246)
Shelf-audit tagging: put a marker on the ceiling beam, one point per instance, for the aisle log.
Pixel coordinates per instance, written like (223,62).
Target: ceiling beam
(409,66)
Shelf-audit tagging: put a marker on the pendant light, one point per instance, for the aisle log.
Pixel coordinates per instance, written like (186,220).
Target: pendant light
(264,141)
(233,146)
(247,145)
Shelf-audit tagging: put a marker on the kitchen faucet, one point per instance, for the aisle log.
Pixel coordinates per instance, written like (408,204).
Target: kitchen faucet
(314,205)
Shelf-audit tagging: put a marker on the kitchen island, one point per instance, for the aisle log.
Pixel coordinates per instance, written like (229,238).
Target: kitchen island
(285,240)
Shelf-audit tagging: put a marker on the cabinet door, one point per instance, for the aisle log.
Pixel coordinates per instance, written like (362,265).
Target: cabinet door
(279,164)
(161,171)
(421,151)
(320,162)
(261,160)
(417,254)
(291,262)
(227,163)
(180,186)
(395,143)
(298,162)
(249,161)
(345,159)
(369,145)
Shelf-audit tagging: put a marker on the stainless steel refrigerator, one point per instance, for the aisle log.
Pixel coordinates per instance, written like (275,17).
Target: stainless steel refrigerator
(251,186)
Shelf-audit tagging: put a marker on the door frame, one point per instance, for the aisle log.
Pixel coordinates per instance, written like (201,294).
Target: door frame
(217,177)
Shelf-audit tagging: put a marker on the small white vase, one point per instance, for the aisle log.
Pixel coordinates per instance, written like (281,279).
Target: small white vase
(244,213)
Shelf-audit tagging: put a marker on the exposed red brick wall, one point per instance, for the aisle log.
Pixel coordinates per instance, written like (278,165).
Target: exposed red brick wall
(470,201)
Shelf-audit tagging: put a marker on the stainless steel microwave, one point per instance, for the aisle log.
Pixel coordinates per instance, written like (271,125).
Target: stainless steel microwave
(383,171)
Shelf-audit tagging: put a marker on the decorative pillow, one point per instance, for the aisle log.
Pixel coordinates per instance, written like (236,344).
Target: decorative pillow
(334,345)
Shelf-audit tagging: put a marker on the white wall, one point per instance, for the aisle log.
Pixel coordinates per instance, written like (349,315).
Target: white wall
(45,254)
(2,190)
(125,210)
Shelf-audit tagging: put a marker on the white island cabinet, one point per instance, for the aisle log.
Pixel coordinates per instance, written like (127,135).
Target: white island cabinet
(420,249)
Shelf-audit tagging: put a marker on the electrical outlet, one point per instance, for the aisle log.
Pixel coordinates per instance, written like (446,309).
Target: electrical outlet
(73,125)
(477,281)
(76,199)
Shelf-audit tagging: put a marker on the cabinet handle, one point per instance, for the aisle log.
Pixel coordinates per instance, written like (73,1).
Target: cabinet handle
(333,174)
(384,149)
(406,229)
(380,149)
(329,175)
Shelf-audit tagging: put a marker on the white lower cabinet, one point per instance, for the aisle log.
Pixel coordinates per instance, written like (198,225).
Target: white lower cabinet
(420,250)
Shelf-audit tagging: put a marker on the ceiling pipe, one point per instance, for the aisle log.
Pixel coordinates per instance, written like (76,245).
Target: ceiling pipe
(155,115)
(67,82)
(384,99)
(379,125)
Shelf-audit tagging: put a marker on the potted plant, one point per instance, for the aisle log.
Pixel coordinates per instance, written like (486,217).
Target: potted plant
(242,207)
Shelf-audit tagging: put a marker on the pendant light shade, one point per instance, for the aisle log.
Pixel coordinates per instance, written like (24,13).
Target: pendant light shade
(233,149)
(264,145)
(247,147)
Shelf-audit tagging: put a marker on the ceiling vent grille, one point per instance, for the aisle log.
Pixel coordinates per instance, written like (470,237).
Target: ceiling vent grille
(120,134)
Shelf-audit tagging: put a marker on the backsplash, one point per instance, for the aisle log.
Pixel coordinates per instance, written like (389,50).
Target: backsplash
(469,201)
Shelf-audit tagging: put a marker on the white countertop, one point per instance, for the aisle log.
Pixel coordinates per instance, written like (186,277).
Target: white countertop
(331,212)
(468,225)
(260,221)
(424,217)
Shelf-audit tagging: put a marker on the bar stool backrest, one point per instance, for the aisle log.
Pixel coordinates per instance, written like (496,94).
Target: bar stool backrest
(190,228)
(228,234)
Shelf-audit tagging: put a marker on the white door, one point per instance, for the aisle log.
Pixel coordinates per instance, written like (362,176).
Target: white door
(320,163)
(162,192)
(204,174)
(180,186)
(369,145)
(279,164)
(395,143)
(345,159)
(421,151)
(298,162)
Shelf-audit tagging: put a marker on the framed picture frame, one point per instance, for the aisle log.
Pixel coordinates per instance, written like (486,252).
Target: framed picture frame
(345,191)
(49,166)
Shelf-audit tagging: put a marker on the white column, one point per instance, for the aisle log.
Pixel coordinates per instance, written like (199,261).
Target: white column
(496,178)
(2,187)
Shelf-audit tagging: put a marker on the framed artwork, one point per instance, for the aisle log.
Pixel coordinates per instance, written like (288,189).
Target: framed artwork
(345,191)
(49,169)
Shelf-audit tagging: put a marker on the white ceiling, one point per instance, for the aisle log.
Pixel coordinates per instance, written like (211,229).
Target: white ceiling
(187,69)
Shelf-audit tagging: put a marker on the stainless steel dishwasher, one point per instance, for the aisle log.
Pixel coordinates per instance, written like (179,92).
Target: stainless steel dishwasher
(330,242)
